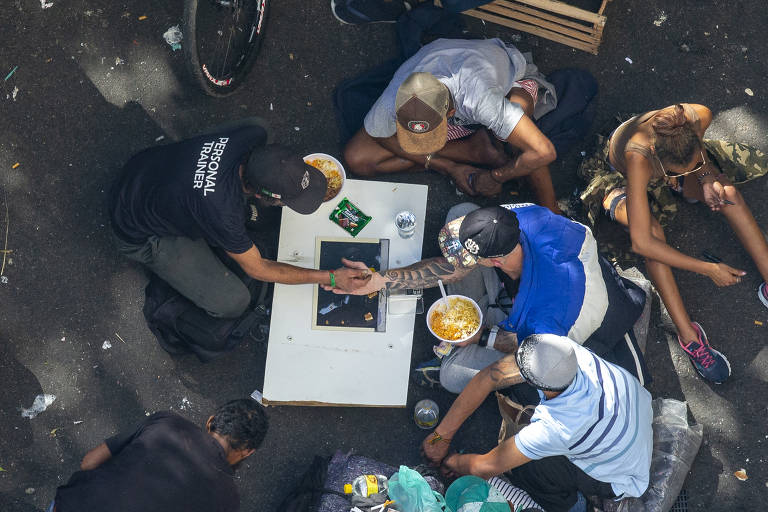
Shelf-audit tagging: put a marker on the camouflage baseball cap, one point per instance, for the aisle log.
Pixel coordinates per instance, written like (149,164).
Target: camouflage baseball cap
(421,108)
(483,233)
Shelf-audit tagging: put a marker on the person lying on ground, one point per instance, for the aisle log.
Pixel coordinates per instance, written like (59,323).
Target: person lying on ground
(531,271)
(590,435)
(168,464)
(453,107)
(173,203)
(659,152)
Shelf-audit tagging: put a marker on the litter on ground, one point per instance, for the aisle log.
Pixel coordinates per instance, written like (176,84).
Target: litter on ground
(106,345)
(40,404)
(9,75)
(173,37)
(15,165)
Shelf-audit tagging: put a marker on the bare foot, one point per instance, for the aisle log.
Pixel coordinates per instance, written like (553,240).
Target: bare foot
(488,152)
(485,185)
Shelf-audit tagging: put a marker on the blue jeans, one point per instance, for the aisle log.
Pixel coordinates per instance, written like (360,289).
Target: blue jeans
(580,505)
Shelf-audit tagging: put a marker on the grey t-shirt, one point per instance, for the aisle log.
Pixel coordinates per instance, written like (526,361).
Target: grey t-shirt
(478,73)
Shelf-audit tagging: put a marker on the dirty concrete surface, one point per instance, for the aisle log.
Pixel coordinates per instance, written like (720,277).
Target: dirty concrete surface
(95,84)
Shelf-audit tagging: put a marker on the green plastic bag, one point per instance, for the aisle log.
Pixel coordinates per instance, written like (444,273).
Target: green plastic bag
(473,494)
(413,494)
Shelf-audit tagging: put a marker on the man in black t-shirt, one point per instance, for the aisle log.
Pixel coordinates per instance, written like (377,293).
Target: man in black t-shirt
(174,202)
(168,464)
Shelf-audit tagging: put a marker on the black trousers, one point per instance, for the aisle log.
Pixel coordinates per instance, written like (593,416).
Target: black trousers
(553,482)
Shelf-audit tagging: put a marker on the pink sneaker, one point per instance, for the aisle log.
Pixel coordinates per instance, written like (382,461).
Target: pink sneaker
(711,364)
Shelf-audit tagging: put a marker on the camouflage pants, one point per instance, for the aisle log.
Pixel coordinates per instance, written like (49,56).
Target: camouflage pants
(739,162)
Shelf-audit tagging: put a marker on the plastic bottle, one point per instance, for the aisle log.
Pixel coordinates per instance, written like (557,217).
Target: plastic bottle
(365,485)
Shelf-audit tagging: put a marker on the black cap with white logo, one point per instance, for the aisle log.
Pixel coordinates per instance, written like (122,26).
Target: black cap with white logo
(490,232)
(285,176)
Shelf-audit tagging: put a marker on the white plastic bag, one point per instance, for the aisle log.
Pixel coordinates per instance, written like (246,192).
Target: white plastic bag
(675,445)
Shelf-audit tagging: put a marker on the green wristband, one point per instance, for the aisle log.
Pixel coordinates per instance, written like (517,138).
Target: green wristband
(333,279)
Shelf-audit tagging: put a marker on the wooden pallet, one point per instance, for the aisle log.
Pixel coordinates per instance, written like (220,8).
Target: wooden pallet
(550,19)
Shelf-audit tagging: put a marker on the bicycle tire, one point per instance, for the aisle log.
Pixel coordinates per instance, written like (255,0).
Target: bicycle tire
(206,23)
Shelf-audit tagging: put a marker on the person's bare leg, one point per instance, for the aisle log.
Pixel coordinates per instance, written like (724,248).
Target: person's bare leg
(540,182)
(747,231)
(660,273)
(740,217)
(366,157)
(478,149)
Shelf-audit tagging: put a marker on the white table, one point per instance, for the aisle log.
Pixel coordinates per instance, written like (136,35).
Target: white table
(317,367)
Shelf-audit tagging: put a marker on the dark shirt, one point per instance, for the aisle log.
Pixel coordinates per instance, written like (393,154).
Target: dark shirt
(167,465)
(190,188)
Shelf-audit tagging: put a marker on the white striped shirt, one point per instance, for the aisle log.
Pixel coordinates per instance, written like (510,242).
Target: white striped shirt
(601,422)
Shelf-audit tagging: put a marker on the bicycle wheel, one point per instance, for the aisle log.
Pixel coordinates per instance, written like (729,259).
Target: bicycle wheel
(222,39)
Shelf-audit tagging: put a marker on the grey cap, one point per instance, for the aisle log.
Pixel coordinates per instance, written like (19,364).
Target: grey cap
(547,361)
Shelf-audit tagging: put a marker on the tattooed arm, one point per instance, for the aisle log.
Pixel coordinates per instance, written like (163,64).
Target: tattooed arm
(422,274)
(503,373)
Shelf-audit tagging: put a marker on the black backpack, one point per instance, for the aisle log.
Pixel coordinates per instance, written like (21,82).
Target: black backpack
(180,326)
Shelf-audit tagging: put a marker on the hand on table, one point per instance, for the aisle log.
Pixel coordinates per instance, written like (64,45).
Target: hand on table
(351,278)
(357,279)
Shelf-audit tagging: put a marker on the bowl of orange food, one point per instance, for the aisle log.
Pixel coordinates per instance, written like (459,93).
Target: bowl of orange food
(455,320)
(333,170)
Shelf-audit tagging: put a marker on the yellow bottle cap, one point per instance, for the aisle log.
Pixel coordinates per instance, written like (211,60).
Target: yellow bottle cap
(347,489)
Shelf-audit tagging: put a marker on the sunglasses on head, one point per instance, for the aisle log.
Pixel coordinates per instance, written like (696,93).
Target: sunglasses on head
(696,168)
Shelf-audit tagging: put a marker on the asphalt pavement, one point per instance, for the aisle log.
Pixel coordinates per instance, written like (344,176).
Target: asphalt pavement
(95,84)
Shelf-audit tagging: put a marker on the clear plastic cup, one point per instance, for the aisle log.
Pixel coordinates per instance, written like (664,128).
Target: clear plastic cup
(426,414)
(405,222)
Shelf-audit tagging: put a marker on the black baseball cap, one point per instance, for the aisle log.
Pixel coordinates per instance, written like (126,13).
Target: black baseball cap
(484,233)
(277,172)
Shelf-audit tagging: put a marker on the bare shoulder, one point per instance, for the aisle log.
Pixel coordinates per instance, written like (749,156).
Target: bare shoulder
(638,166)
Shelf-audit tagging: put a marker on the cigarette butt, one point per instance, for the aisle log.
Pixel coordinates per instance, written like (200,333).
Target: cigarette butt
(15,165)
(758,322)
(142,18)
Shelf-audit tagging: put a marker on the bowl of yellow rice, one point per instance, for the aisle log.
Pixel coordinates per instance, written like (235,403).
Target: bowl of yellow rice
(455,322)
(333,170)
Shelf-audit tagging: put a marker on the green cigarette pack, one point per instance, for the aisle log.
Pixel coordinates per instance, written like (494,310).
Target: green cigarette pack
(349,217)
